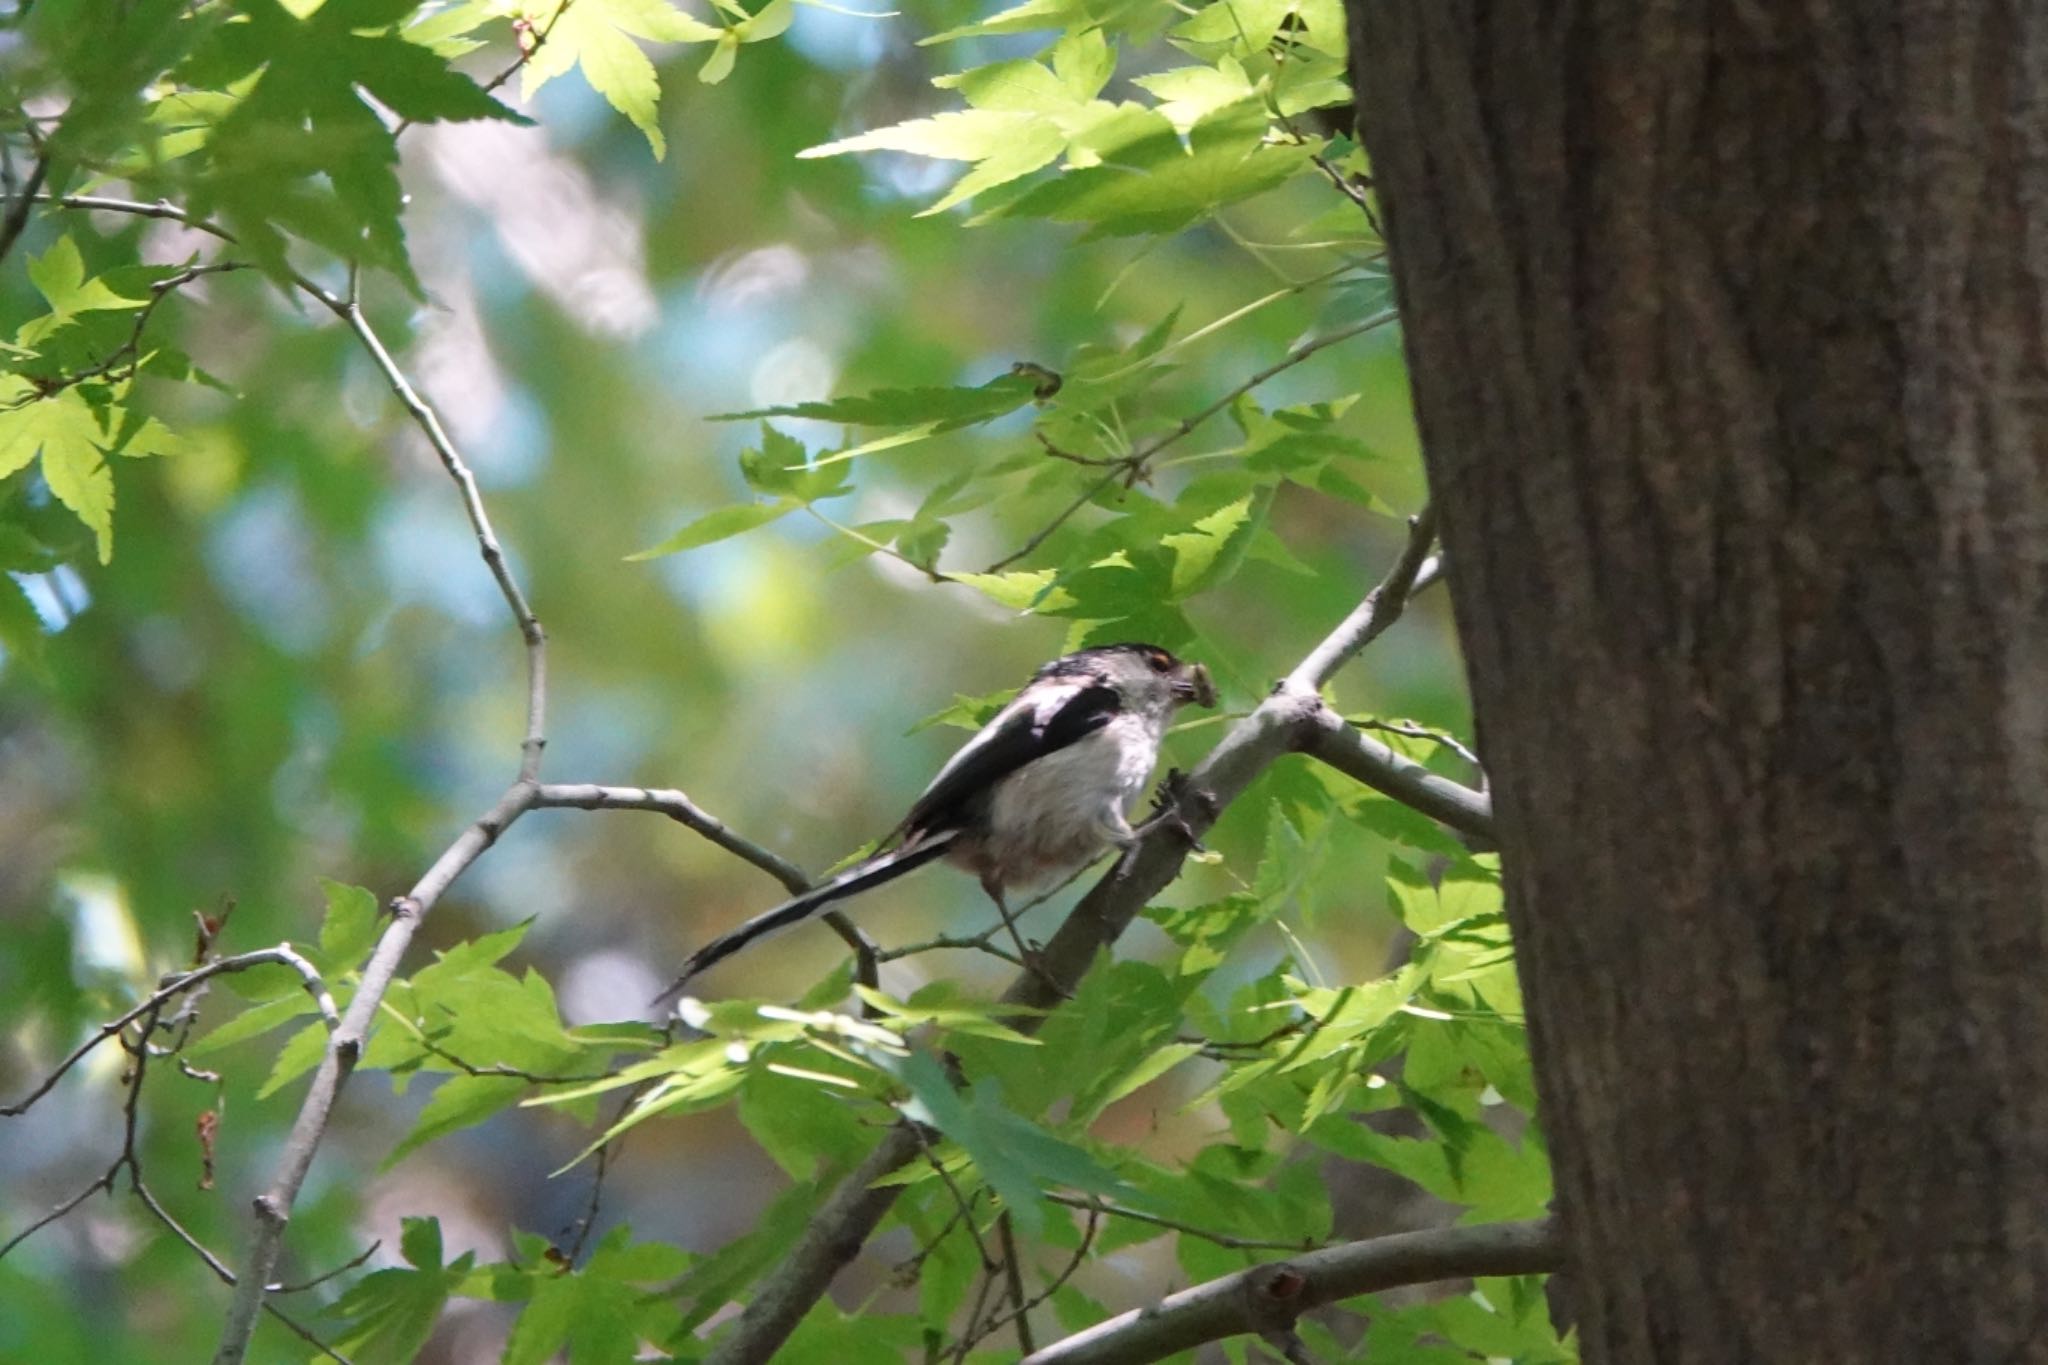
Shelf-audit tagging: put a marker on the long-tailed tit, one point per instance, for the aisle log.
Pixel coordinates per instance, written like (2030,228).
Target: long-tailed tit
(1036,794)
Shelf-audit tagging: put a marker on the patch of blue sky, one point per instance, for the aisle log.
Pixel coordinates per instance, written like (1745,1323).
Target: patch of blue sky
(426,553)
(515,449)
(710,354)
(57,596)
(571,111)
(841,41)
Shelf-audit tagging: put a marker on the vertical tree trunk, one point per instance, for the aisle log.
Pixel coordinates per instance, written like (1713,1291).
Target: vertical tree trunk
(1726,323)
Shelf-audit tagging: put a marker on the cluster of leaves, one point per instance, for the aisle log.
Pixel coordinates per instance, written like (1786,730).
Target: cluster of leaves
(1209,135)
(277,124)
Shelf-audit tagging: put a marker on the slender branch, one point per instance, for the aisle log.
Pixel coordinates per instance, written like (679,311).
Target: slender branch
(400,1020)
(1329,737)
(149,1016)
(170,988)
(427,420)
(226,1276)
(1013,1275)
(129,351)
(104,1182)
(530,40)
(1413,731)
(680,808)
(355,1262)
(867,954)
(960,1199)
(17,212)
(429,423)
(607,1152)
(1067,1272)
(1269,1298)
(1221,1239)
(1381,608)
(164,208)
(983,942)
(344,1047)
(1131,467)
(1283,722)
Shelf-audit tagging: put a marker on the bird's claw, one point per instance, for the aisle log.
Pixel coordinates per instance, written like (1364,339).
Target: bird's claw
(1167,802)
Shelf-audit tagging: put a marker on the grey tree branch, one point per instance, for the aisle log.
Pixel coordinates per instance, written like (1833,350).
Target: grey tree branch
(1381,608)
(1329,737)
(680,808)
(1269,1298)
(175,985)
(344,1047)
(429,423)
(1293,717)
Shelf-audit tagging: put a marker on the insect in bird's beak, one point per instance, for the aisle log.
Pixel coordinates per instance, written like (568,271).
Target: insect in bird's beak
(1194,685)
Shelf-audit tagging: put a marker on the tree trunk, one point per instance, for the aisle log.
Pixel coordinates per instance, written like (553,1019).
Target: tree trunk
(1726,325)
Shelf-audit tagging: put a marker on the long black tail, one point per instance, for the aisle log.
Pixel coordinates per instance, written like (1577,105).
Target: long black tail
(862,876)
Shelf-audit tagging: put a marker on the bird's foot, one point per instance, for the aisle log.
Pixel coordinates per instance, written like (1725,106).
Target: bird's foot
(1168,806)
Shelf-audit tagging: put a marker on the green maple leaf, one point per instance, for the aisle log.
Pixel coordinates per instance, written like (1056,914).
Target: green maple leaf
(59,276)
(603,37)
(392,1312)
(304,152)
(74,440)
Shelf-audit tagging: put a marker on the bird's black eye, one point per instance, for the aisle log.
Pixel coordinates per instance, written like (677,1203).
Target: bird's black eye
(1160,660)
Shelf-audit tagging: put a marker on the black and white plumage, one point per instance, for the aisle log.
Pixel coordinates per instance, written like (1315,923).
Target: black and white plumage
(1038,792)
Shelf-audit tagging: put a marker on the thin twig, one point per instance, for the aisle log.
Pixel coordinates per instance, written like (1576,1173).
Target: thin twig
(53,1215)
(164,208)
(130,350)
(1221,1239)
(1442,737)
(226,1276)
(468,1068)
(1381,608)
(1013,1272)
(355,1262)
(680,808)
(337,1063)
(981,943)
(171,987)
(981,1293)
(1067,1273)
(528,49)
(960,1199)
(1132,467)
(606,1153)
(429,422)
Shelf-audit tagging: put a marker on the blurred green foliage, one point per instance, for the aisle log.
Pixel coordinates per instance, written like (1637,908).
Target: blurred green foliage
(1026,328)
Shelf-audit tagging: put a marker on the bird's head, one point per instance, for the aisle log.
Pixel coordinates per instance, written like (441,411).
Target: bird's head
(1145,676)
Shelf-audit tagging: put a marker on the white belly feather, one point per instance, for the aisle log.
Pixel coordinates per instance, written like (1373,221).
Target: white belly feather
(1051,816)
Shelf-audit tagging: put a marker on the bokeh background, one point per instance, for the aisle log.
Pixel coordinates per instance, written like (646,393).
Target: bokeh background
(296,667)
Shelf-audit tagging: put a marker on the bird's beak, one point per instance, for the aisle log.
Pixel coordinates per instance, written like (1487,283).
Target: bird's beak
(1194,685)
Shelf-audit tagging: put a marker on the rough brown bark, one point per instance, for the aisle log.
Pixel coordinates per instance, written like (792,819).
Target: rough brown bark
(1726,328)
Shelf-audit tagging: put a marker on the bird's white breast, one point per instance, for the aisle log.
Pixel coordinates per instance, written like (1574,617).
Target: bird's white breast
(1055,813)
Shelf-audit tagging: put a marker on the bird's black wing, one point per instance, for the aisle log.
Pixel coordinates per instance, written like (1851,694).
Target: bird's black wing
(1039,722)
